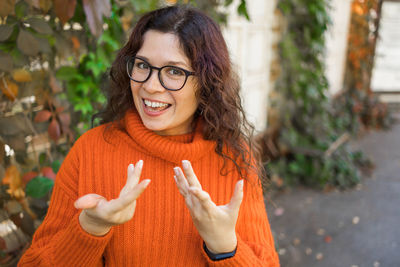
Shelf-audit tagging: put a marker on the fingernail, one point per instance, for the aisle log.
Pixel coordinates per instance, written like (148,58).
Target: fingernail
(146,183)
(130,167)
(185,164)
(176,171)
(241,183)
(176,181)
(139,164)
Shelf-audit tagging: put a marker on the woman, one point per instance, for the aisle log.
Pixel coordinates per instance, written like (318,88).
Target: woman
(174,109)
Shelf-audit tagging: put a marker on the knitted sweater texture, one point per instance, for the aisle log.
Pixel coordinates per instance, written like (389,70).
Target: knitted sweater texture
(161,232)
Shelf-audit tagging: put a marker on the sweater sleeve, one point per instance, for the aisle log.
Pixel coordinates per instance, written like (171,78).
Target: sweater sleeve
(60,240)
(255,245)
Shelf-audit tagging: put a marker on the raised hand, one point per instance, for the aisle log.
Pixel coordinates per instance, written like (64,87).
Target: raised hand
(215,224)
(99,214)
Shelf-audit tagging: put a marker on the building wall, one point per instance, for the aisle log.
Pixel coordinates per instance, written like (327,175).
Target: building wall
(336,44)
(251,47)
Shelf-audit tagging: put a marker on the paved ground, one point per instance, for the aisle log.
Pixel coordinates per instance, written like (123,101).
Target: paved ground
(359,227)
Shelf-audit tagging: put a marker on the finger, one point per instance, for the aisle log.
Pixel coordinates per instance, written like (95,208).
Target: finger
(181,182)
(203,197)
(134,174)
(126,199)
(237,197)
(88,201)
(190,175)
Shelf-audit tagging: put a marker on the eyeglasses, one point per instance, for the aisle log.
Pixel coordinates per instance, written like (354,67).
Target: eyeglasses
(172,78)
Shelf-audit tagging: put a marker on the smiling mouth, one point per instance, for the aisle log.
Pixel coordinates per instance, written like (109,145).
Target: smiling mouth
(155,106)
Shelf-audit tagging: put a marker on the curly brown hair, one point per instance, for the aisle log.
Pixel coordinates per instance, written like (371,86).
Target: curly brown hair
(219,99)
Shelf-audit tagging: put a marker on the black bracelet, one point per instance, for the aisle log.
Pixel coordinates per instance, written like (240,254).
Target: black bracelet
(218,257)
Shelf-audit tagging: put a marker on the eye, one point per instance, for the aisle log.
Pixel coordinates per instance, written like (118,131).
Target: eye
(175,71)
(142,65)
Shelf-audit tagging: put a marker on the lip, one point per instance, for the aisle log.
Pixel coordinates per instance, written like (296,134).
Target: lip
(153,113)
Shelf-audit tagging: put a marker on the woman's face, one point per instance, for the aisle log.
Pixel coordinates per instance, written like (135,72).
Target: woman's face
(162,111)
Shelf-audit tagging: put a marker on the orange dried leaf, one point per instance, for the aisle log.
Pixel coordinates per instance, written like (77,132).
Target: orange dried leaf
(22,76)
(9,88)
(75,43)
(6,7)
(13,178)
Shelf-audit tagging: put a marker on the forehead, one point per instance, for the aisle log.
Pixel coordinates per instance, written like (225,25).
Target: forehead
(161,47)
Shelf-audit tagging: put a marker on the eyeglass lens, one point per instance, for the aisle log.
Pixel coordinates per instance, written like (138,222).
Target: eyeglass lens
(172,78)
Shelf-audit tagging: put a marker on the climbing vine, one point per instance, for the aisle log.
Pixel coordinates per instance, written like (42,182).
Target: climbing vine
(357,105)
(309,147)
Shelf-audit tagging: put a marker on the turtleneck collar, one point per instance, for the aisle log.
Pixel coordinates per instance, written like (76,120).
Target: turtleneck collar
(173,149)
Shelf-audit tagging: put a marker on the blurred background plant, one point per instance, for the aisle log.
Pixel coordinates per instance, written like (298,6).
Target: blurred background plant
(357,105)
(54,57)
(307,134)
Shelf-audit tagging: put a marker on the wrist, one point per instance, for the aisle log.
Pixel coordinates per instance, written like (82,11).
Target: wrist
(228,245)
(91,226)
(218,256)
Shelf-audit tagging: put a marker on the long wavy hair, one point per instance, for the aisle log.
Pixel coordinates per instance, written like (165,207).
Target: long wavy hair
(219,99)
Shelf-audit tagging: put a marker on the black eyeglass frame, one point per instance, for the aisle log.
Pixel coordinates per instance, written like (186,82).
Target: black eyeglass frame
(187,73)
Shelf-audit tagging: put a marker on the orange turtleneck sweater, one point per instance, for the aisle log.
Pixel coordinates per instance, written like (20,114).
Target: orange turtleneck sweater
(161,232)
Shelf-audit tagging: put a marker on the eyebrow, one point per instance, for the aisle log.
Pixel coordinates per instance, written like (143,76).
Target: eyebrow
(168,62)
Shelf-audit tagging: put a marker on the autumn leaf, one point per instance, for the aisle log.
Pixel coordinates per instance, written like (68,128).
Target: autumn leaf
(13,178)
(64,9)
(40,25)
(75,43)
(94,10)
(55,87)
(9,88)
(29,176)
(45,5)
(6,7)
(5,32)
(48,172)
(27,43)
(54,130)
(42,116)
(6,62)
(21,75)
(65,119)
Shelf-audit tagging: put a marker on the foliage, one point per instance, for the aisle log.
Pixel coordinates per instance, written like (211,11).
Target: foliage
(311,147)
(357,103)
(54,58)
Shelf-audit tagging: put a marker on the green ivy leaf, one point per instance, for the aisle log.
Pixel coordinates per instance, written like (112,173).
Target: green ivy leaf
(66,73)
(42,158)
(40,25)
(27,43)
(242,10)
(55,165)
(5,32)
(21,9)
(39,186)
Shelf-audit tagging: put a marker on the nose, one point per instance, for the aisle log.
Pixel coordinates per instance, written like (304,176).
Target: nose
(153,84)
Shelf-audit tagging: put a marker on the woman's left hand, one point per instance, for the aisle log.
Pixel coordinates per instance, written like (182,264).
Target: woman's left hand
(216,224)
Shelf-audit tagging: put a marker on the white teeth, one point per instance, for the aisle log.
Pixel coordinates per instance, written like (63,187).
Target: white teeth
(154,104)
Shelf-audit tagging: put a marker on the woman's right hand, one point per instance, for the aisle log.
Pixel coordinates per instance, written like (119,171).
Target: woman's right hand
(99,215)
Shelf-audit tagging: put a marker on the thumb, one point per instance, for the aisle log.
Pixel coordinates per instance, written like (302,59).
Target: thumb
(237,197)
(88,201)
